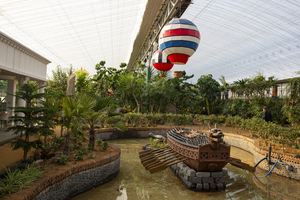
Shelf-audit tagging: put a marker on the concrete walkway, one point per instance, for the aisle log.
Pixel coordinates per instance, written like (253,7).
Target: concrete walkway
(6,136)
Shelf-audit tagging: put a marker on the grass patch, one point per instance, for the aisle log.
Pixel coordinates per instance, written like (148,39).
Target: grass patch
(14,180)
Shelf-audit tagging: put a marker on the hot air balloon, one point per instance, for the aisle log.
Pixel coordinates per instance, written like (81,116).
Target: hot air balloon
(178,40)
(161,62)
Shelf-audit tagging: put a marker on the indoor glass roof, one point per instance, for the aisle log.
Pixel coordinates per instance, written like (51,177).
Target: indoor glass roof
(81,33)
(243,37)
(238,37)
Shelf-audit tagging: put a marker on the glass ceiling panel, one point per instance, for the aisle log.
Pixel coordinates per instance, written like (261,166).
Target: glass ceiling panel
(81,33)
(238,38)
(241,38)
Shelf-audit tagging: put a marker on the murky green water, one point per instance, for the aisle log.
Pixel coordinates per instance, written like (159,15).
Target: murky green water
(135,183)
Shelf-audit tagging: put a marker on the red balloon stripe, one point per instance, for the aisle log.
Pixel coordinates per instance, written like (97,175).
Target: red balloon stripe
(181,32)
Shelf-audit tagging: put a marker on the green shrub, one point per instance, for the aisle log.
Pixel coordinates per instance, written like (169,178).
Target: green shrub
(91,155)
(63,159)
(18,166)
(18,179)
(83,138)
(104,145)
(156,144)
(79,144)
(79,155)
(99,142)
(83,150)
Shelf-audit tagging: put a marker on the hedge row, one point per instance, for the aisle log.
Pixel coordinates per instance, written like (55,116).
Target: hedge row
(257,126)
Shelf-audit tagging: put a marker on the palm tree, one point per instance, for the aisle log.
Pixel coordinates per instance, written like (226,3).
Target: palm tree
(71,109)
(93,108)
(224,86)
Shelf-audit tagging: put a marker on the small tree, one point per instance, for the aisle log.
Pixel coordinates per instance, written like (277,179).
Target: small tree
(31,122)
(208,89)
(71,109)
(92,110)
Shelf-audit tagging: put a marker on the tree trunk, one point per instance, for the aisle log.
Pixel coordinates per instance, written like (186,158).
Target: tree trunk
(92,137)
(26,150)
(61,130)
(207,105)
(67,143)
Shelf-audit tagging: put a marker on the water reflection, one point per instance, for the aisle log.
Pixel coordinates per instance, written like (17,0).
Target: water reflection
(135,183)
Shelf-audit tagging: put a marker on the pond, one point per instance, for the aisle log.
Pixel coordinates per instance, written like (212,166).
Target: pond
(136,183)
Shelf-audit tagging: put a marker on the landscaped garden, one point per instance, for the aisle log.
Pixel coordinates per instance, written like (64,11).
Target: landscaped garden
(119,99)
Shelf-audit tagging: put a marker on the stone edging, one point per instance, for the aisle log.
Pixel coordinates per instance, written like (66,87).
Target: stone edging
(37,187)
(259,153)
(133,132)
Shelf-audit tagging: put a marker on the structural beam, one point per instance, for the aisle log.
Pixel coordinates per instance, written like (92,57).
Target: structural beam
(168,10)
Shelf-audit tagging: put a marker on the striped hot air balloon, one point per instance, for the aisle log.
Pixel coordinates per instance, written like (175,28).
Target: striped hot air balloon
(178,40)
(161,62)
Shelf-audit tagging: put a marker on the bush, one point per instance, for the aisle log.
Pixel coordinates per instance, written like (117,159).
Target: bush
(91,155)
(99,142)
(83,150)
(79,144)
(63,159)
(104,145)
(18,166)
(79,155)
(18,179)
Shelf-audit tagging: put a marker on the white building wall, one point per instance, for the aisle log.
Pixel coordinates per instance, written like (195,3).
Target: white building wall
(18,59)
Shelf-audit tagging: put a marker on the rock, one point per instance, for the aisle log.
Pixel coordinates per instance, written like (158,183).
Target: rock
(203,174)
(216,174)
(191,172)
(71,85)
(207,180)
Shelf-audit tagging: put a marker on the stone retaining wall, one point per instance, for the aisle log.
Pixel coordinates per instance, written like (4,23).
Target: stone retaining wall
(200,181)
(81,182)
(258,153)
(71,181)
(135,132)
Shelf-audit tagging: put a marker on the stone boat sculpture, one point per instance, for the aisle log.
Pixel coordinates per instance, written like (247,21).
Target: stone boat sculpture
(201,152)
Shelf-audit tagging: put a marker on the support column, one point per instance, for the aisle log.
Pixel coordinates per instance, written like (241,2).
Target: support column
(41,89)
(10,99)
(21,102)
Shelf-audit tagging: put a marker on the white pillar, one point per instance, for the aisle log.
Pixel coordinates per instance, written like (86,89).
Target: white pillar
(10,99)
(41,89)
(41,84)
(21,102)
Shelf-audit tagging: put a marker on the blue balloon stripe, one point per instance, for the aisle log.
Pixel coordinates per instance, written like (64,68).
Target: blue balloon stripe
(179,43)
(181,21)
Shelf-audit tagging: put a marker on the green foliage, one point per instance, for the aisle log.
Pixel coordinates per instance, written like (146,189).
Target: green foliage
(104,145)
(57,84)
(83,150)
(209,89)
(18,166)
(17,179)
(79,144)
(99,142)
(89,147)
(31,121)
(79,155)
(63,159)
(91,155)
(83,81)
(154,143)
